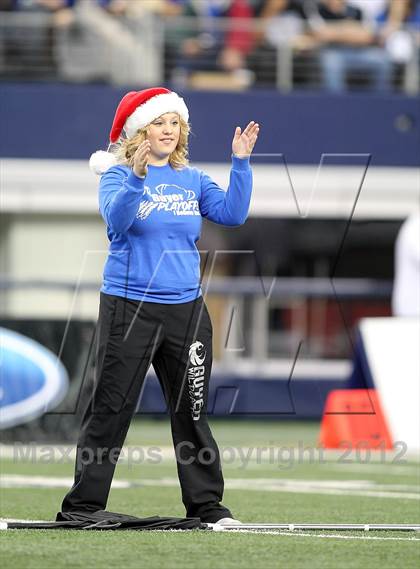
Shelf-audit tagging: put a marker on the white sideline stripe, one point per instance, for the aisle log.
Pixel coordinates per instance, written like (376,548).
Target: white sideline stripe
(265,532)
(23,481)
(364,488)
(390,469)
(385,469)
(314,487)
(319,535)
(11,520)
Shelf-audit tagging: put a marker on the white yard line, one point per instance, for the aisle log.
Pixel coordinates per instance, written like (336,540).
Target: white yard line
(320,535)
(24,481)
(363,488)
(10,520)
(389,469)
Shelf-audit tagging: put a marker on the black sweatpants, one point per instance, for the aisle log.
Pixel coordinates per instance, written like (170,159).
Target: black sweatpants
(177,340)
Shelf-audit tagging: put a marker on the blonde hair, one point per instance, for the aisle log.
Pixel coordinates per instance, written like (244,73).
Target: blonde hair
(177,159)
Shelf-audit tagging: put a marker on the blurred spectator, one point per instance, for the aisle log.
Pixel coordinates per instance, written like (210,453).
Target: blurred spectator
(132,12)
(6,5)
(128,7)
(28,44)
(399,12)
(114,7)
(406,293)
(206,46)
(339,36)
(282,21)
(389,17)
(401,43)
(61,10)
(347,45)
(372,10)
(280,33)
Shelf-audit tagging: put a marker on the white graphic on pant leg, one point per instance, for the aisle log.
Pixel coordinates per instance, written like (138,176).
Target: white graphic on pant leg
(197,355)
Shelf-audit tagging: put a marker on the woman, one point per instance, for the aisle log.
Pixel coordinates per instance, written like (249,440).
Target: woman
(151,305)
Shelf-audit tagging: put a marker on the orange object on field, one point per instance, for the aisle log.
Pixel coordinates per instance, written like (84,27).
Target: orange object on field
(353,418)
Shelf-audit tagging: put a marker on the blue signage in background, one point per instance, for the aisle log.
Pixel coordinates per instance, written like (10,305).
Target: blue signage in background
(301,126)
(32,379)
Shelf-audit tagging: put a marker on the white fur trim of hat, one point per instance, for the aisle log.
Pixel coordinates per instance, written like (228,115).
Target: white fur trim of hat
(154,108)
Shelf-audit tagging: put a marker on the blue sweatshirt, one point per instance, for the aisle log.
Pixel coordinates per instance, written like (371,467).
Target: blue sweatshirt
(153,224)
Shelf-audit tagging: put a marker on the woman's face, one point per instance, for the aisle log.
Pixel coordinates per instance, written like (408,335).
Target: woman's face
(163,134)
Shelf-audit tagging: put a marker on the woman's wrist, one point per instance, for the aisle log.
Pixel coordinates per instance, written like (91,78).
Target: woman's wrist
(141,174)
(135,180)
(239,163)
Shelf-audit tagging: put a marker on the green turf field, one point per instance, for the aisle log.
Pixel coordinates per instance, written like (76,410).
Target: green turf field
(290,485)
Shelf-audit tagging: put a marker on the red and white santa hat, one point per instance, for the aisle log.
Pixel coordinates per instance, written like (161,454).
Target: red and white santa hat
(136,110)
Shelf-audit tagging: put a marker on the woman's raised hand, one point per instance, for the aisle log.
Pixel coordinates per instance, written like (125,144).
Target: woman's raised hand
(141,158)
(243,142)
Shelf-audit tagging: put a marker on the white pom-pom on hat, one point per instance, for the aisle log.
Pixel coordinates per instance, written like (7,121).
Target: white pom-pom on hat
(101,161)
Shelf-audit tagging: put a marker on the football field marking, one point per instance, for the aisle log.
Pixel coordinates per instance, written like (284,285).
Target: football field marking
(265,532)
(320,535)
(364,488)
